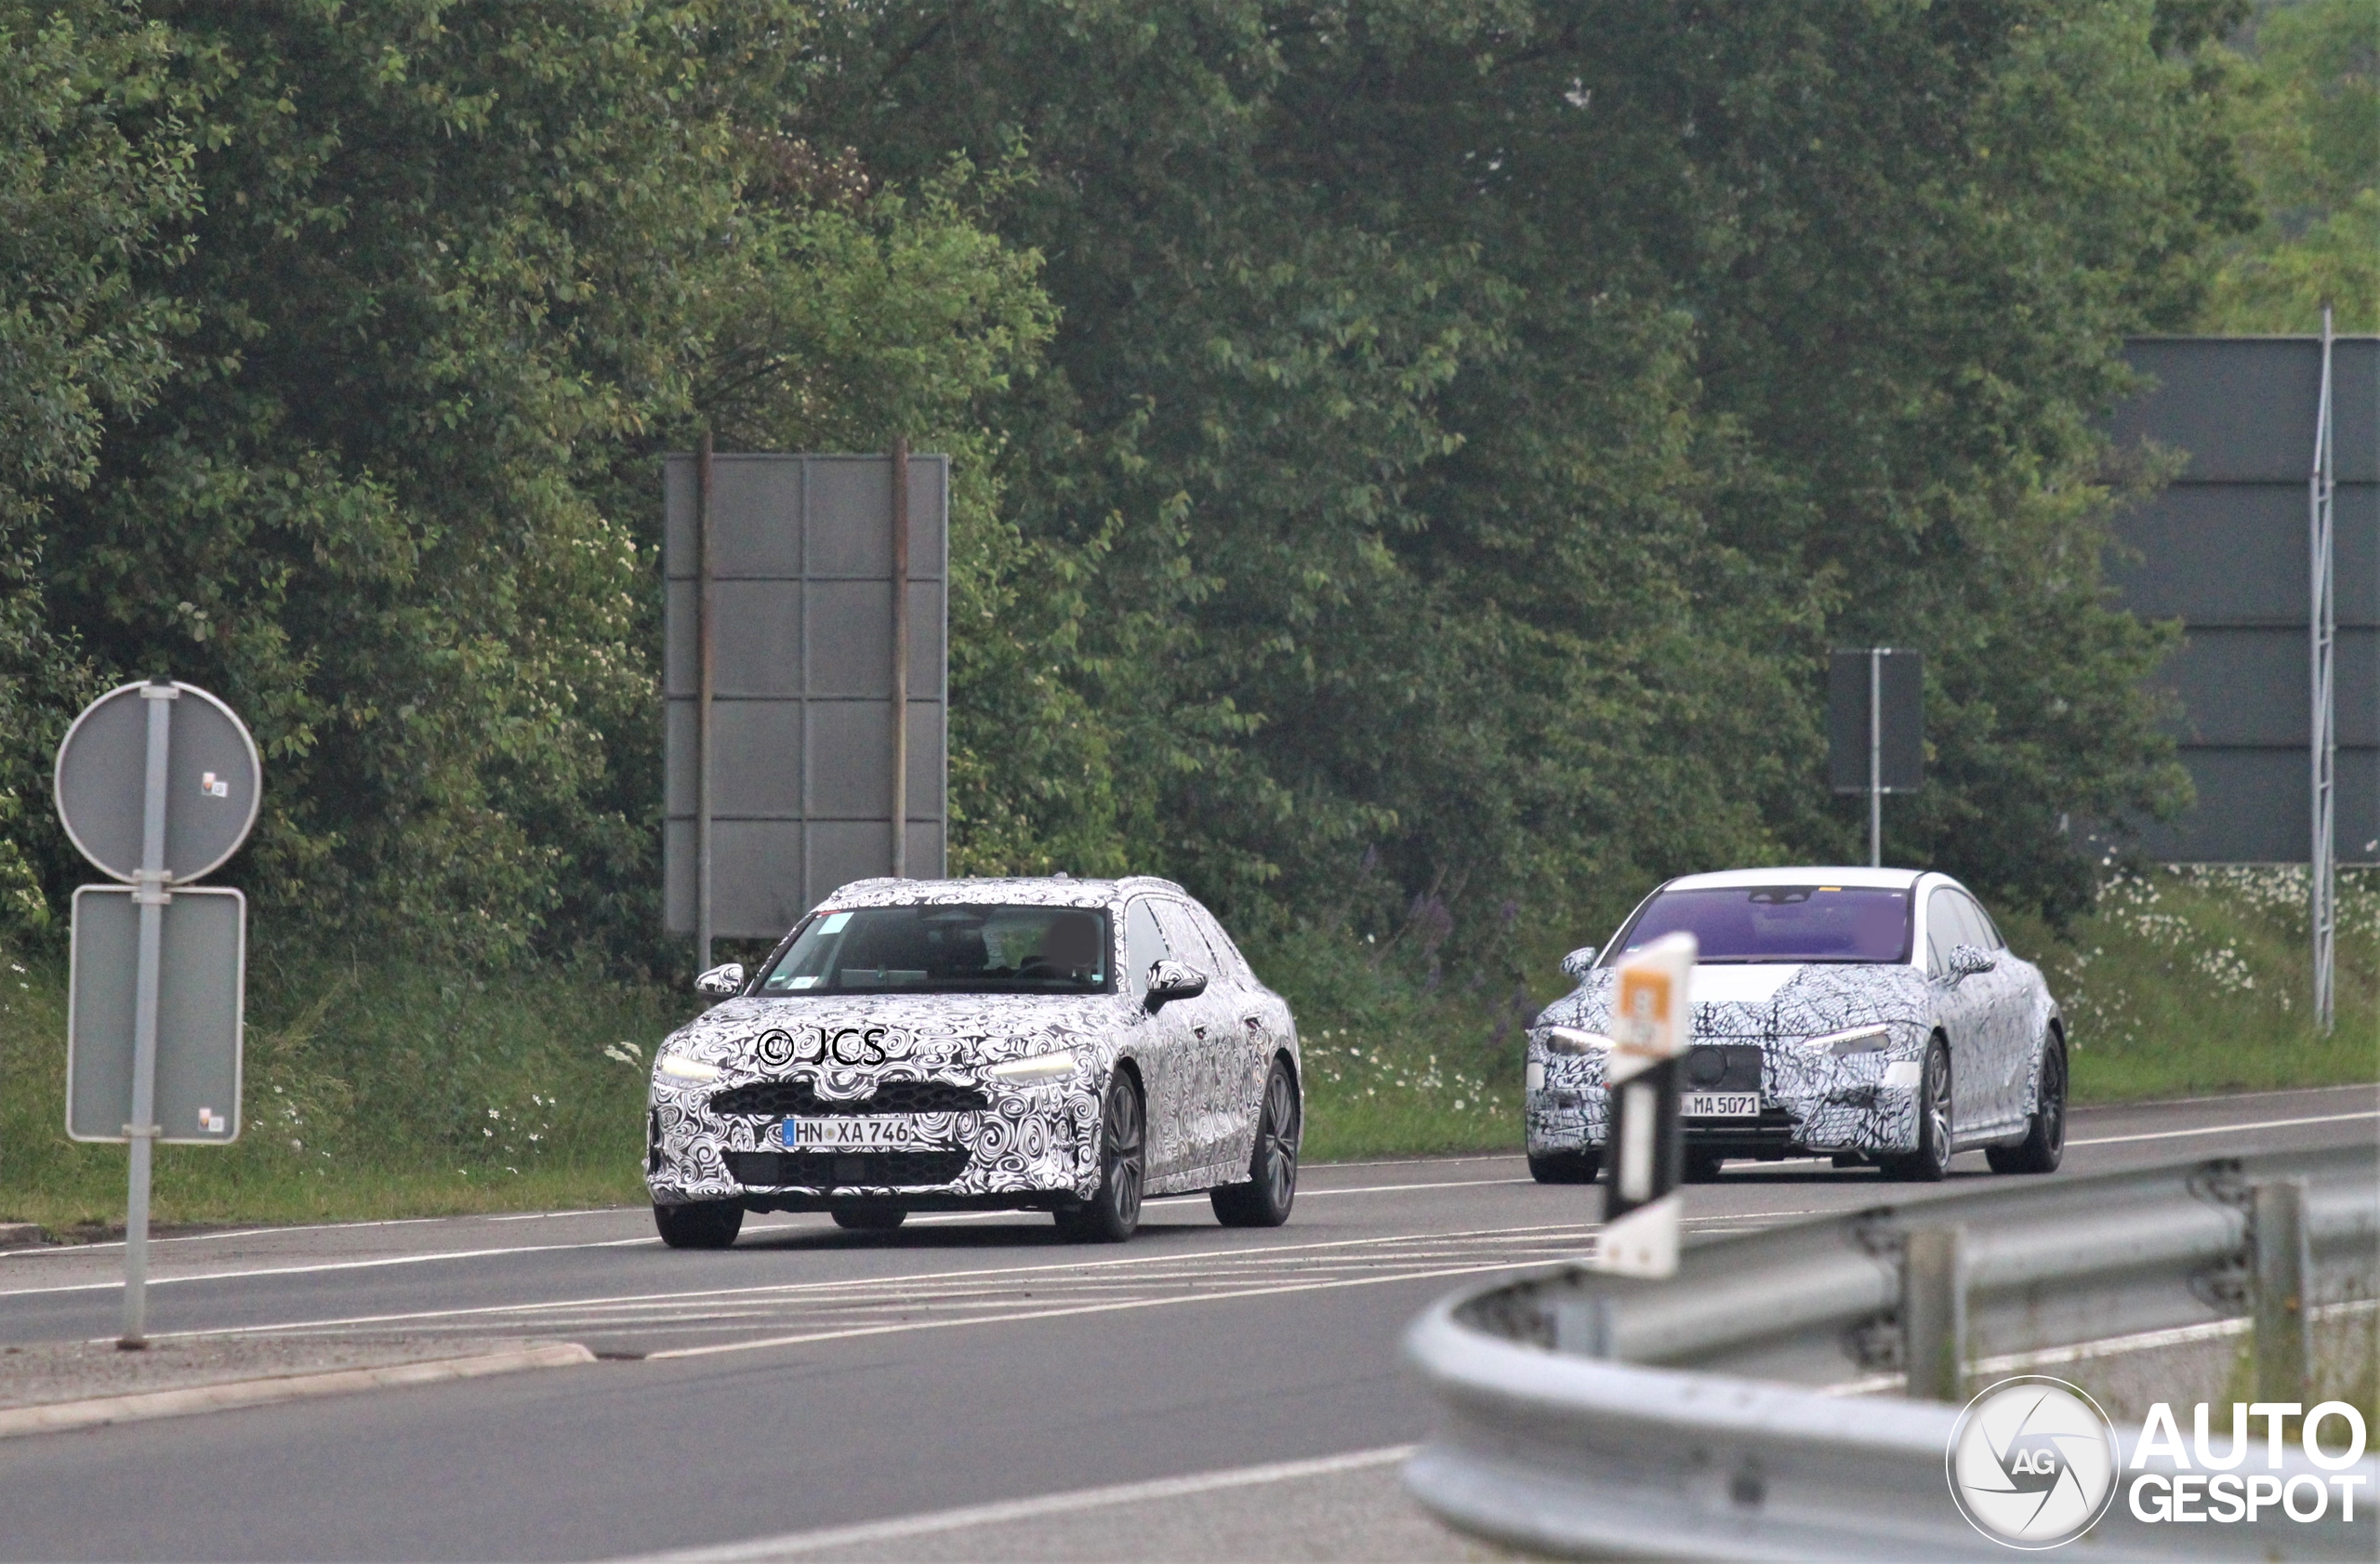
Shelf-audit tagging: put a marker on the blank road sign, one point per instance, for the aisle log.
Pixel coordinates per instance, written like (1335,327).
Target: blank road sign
(199,999)
(1901,708)
(803,736)
(212,782)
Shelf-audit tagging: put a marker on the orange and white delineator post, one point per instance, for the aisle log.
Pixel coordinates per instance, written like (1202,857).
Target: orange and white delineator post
(1652,1022)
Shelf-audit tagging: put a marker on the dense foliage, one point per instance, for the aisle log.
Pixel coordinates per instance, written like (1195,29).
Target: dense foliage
(1413,456)
(2306,80)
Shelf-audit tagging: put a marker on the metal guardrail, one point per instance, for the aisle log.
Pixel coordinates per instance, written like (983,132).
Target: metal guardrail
(1726,1412)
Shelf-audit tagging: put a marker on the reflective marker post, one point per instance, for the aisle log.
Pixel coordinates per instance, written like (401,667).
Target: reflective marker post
(149,895)
(1652,1020)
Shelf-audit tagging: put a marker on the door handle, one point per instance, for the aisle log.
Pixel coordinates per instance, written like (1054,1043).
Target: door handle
(1199,1032)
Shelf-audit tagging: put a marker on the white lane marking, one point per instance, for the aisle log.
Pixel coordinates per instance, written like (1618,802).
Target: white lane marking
(72,1249)
(328,1266)
(795,1289)
(627,1243)
(1010,1510)
(2230,1128)
(1069,1311)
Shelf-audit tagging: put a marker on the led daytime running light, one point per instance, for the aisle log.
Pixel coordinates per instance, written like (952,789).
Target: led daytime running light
(1038,1070)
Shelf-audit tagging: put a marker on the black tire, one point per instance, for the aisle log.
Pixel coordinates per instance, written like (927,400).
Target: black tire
(1565,1167)
(1272,1186)
(702,1224)
(873,1217)
(1701,1165)
(1110,1215)
(1930,1163)
(2044,1144)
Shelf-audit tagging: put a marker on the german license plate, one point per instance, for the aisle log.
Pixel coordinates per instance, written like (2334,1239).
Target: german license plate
(849,1132)
(1723,1104)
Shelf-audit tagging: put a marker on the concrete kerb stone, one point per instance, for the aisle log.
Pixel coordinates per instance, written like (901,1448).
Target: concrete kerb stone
(96,1411)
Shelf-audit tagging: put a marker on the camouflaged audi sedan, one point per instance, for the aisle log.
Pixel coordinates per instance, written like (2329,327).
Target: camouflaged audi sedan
(1060,1045)
(1872,1015)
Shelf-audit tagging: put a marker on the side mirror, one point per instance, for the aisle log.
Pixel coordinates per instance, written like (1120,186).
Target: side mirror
(721,982)
(1579,962)
(1968,960)
(1173,980)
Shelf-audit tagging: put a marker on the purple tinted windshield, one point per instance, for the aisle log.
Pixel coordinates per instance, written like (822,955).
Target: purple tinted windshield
(1780,924)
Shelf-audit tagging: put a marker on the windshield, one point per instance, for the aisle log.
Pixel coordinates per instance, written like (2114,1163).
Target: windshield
(961,949)
(1778,923)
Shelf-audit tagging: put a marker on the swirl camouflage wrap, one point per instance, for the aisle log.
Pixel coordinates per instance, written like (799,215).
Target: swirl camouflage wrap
(1835,1049)
(970,1137)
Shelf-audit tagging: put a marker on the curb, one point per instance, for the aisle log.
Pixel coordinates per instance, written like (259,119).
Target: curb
(19,1235)
(58,1416)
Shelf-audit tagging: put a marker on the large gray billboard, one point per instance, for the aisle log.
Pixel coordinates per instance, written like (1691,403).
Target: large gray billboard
(801,792)
(2225,550)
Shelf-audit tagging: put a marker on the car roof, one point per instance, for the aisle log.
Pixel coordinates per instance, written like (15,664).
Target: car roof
(1030,890)
(1805,874)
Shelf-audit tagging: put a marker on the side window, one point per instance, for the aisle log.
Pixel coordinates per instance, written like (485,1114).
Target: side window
(1987,932)
(1225,951)
(1942,930)
(1145,945)
(1189,942)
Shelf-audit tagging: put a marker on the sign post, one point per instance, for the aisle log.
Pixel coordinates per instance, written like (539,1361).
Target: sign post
(1875,722)
(157,784)
(1652,1022)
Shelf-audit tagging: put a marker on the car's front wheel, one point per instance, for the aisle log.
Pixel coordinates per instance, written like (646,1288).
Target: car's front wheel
(699,1225)
(1264,1199)
(1110,1215)
(1930,1163)
(1564,1167)
(2044,1144)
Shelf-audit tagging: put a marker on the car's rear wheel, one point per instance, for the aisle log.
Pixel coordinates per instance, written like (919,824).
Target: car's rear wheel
(1110,1215)
(1930,1163)
(1564,1167)
(1272,1186)
(700,1225)
(2044,1144)
(870,1216)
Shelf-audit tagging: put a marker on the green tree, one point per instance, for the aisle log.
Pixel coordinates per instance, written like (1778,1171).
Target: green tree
(462,272)
(2307,89)
(1491,411)
(94,189)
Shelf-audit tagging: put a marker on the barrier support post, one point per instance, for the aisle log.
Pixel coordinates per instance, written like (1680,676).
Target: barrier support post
(2283,1267)
(1934,1314)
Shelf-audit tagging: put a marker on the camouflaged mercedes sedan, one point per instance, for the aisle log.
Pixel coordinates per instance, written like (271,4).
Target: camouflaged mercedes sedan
(1872,1015)
(1060,1045)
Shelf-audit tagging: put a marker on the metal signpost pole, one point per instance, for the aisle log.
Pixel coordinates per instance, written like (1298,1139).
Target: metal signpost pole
(705,636)
(1875,757)
(149,894)
(2322,870)
(900,657)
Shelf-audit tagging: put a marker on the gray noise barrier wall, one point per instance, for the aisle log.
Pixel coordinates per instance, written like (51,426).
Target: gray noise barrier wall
(801,796)
(2225,550)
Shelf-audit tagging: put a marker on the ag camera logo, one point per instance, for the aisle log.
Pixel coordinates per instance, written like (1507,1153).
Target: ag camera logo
(2032,1462)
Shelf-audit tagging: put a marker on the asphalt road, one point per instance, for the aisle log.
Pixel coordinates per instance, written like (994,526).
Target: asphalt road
(814,1385)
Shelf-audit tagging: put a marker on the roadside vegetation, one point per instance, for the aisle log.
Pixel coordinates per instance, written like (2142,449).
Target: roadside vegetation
(388,1093)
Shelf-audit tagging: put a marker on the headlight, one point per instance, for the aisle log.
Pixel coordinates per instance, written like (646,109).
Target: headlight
(677,1067)
(1039,1070)
(1569,1040)
(1858,1040)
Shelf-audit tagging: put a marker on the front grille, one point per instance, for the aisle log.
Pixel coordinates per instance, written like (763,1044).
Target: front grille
(826,1170)
(795,1098)
(1733,1067)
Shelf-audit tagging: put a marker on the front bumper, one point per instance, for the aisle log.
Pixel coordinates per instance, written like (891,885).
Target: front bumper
(1031,1147)
(1811,1103)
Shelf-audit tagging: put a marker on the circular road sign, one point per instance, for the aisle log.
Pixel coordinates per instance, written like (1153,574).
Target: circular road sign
(214,782)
